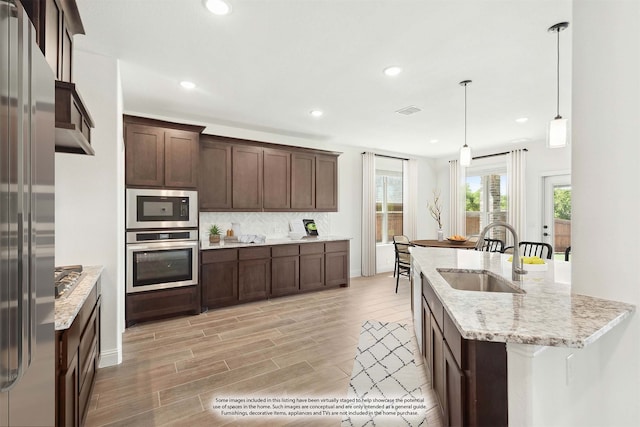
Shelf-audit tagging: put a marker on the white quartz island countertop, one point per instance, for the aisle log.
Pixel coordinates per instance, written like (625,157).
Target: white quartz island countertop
(205,245)
(68,306)
(547,314)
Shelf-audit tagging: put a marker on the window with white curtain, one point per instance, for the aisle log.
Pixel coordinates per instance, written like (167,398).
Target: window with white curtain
(389,205)
(486,199)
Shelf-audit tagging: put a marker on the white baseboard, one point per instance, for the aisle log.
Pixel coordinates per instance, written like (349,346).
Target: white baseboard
(110,358)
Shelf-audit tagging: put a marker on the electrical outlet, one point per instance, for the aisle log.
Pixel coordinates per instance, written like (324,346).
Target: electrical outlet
(570,369)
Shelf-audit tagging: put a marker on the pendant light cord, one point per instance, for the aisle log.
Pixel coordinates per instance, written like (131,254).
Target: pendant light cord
(557,78)
(465,114)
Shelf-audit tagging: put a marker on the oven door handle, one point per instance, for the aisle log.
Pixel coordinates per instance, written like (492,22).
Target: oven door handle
(161,245)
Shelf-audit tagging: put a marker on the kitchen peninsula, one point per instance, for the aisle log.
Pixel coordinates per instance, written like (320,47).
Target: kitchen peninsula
(456,329)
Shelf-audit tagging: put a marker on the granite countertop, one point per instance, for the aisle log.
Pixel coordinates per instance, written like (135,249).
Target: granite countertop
(68,306)
(546,314)
(205,245)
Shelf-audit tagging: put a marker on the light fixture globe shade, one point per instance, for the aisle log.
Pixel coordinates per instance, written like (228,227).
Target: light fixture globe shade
(465,155)
(558,133)
(218,7)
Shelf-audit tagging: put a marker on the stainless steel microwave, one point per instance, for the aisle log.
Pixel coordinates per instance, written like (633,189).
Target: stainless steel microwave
(149,208)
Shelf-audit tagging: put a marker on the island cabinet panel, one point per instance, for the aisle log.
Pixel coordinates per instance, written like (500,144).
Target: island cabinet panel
(326,183)
(161,154)
(214,186)
(181,159)
(219,278)
(247,175)
(277,180)
(469,377)
(285,270)
(303,181)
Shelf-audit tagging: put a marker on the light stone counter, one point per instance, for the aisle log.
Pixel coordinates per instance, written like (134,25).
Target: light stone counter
(547,314)
(205,245)
(68,306)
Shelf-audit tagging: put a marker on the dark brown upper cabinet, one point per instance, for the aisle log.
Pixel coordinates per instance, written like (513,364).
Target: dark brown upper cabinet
(243,175)
(56,22)
(161,154)
(247,165)
(214,184)
(303,181)
(277,180)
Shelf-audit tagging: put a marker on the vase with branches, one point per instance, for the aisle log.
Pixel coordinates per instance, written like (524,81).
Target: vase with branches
(435,209)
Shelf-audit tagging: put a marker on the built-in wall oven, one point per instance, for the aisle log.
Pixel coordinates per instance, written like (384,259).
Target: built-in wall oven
(152,208)
(161,259)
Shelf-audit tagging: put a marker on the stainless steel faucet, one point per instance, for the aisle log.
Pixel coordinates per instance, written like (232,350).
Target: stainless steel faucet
(516,265)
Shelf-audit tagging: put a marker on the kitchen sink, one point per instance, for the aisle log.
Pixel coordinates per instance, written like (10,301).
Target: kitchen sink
(477,280)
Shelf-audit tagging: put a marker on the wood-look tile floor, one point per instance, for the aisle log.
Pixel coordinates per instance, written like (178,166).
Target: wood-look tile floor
(303,345)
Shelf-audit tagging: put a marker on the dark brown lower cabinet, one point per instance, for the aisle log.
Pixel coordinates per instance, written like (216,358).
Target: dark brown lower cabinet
(469,377)
(311,272)
(78,359)
(163,303)
(336,263)
(285,270)
(219,278)
(254,277)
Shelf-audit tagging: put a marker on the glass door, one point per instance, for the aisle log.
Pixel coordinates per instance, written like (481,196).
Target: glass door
(556,226)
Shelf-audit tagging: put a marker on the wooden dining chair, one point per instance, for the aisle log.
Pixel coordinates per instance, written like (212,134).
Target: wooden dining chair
(403,261)
(491,245)
(398,239)
(567,252)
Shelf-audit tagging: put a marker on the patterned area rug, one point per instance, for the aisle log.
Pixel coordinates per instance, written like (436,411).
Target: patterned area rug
(385,378)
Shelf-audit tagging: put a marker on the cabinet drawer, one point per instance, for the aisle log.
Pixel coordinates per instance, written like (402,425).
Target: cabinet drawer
(342,246)
(285,250)
(454,339)
(434,303)
(254,253)
(219,255)
(311,248)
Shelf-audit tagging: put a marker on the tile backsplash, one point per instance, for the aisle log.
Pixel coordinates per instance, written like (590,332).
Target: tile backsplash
(274,225)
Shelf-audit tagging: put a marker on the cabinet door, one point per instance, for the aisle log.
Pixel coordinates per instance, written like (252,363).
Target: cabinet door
(247,178)
(254,277)
(214,185)
(144,152)
(303,181)
(219,284)
(311,271)
(326,183)
(437,356)
(426,333)
(454,390)
(66,55)
(285,275)
(181,159)
(336,268)
(68,395)
(51,34)
(277,180)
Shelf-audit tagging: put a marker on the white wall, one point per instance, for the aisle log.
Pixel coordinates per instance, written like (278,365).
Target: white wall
(606,183)
(90,196)
(541,161)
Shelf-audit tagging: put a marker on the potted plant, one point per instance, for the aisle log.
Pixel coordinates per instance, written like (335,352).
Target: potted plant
(214,234)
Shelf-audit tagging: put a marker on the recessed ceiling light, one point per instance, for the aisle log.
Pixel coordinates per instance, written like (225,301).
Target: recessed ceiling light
(218,7)
(522,120)
(316,113)
(434,141)
(187,85)
(392,71)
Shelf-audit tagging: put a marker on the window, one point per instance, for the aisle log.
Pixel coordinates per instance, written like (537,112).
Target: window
(486,200)
(388,199)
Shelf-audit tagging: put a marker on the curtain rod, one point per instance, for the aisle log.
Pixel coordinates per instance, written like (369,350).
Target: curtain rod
(384,155)
(494,155)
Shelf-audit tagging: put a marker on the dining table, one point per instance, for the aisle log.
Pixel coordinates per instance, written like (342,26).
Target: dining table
(444,244)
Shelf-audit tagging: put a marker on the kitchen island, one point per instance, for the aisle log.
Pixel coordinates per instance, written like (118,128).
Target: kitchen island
(531,324)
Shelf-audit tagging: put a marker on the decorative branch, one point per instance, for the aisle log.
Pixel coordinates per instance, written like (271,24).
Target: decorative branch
(436,208)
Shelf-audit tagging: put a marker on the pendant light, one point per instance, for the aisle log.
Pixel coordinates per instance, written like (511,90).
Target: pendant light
(465,151)
(558,127)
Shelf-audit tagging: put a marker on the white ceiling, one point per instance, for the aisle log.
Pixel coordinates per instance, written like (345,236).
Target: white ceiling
(270,62)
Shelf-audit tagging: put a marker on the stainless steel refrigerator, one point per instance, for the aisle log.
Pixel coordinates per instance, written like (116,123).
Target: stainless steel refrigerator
(27,349)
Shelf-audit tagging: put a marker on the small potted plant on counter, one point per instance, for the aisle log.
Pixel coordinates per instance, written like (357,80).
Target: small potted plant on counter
(214,234)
